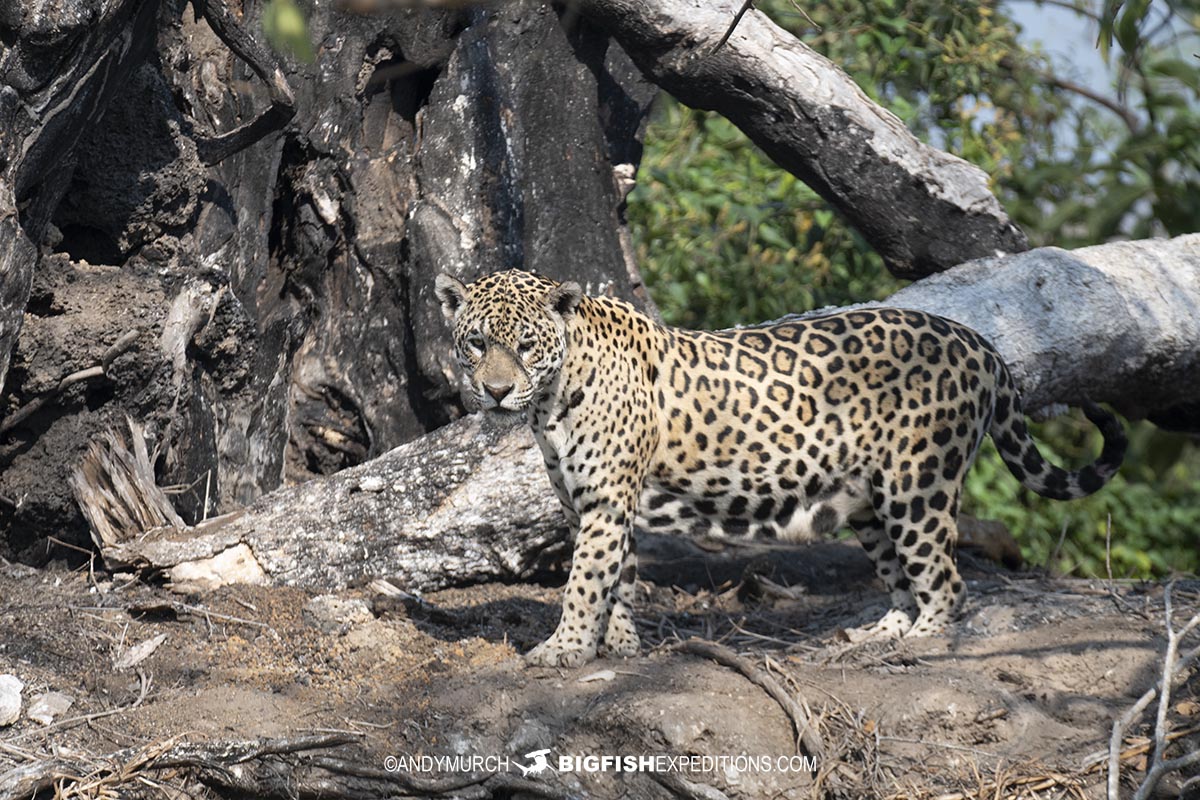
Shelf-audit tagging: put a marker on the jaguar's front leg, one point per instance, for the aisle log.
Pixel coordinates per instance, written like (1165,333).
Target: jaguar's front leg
(606,524)
(621,638)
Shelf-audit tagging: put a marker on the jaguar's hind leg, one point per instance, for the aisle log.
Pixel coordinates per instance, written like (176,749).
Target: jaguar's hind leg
(882,551)
(923,532)
(938,588)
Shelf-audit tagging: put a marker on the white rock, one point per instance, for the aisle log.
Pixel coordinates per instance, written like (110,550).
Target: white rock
(10,699)
(236,564)
(45,707)
(371,483)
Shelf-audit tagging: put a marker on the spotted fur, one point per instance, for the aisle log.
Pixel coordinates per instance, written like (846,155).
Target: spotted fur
(868,417)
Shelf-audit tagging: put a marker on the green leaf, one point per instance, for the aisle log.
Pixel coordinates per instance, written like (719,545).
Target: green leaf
(1187,73)
(1129,23)
(772,237)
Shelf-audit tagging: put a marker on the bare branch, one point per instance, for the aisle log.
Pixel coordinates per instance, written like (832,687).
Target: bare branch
(123,344)
(746,6)
(812,119)
(1127,115)
(1173,665)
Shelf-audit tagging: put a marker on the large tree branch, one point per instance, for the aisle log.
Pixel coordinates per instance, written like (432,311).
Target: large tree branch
(471,501)
(922,209)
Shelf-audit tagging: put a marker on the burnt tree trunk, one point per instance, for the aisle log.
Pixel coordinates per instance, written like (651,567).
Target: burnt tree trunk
(58,71)
(275,308)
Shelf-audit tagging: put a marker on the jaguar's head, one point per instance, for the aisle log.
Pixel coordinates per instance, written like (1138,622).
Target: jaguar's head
(510,333)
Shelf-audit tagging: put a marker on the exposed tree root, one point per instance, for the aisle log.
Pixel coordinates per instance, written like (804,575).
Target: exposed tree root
(806,732)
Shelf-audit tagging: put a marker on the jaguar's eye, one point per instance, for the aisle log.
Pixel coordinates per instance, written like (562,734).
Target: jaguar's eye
(475,342)
(525,347)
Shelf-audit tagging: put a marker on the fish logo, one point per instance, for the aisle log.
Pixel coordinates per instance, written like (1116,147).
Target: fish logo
(539,765)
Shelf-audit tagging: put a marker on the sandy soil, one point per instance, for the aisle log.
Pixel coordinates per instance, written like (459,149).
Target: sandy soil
(1018,694)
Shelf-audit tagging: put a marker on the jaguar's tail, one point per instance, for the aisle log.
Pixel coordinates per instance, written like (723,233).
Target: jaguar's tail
(1035,472)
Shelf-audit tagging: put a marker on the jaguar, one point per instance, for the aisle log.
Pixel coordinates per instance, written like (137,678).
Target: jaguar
(867,417)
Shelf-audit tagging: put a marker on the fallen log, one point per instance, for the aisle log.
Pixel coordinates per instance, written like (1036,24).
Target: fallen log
(471,501)
(1117,323)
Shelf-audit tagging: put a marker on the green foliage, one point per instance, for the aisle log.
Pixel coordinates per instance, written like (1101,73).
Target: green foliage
(1131,174)
(726,237)
(1154,508)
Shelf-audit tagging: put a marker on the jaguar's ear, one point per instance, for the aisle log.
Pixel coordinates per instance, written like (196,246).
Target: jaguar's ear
(451,292)
(564,298)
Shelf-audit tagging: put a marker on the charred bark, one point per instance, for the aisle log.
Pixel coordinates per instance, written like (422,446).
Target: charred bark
(58,71)
(279,291)
(1116,323)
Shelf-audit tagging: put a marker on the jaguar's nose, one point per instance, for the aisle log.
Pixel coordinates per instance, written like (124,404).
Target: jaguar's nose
(498,391)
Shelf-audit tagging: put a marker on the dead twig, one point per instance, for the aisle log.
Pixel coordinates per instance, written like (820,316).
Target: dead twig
(1098,759)
(746,6)
(1062,537)
(806,733)
(28,755)
(23,413)
(1108,549)
(1173,665)
(804,14)
(99,776)
(187,609)
(1159,766)
(958,748)
(211,615)
(1010,788)
(1118,734)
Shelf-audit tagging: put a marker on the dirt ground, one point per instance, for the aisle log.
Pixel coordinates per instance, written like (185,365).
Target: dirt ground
(1014,701)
